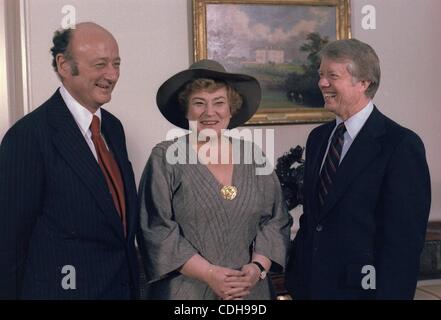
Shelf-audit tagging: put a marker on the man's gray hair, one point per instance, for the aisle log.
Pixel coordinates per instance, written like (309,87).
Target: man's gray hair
(363,61)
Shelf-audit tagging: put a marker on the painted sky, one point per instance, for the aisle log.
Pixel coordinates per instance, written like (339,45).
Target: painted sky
(236,30)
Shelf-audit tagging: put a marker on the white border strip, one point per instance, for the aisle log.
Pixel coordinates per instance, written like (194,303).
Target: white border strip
(25,57)
(4,94)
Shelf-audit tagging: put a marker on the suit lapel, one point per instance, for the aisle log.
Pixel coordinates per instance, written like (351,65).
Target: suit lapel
(116,145)
(362,152)
(74,149)
(317,155)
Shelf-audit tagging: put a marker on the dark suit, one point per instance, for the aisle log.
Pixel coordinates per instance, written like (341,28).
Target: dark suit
(56,211)
(375,214)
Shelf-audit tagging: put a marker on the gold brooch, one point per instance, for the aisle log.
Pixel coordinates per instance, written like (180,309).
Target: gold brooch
(229,192)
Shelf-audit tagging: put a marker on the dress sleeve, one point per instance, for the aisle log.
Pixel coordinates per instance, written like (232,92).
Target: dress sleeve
(273,236)
(162,246)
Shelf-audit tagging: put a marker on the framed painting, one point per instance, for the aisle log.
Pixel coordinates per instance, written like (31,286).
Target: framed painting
(277,42)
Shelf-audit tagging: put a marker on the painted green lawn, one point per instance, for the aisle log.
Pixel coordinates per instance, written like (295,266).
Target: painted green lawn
(276,99)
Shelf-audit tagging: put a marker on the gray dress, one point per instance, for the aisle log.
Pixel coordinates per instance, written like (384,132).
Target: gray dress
(183,214)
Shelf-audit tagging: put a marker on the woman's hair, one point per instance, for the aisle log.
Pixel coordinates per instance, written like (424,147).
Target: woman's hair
(363,61)
(234,98)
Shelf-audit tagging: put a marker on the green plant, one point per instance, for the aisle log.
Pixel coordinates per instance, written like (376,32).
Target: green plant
(290,170)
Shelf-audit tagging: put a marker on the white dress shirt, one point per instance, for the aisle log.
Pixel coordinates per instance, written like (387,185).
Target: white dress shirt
(82,116)
(353,126)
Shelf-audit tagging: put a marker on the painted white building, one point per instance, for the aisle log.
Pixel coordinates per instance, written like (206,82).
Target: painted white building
(270,55)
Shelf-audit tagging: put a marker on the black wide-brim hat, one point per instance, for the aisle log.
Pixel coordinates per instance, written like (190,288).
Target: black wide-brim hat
(248,87)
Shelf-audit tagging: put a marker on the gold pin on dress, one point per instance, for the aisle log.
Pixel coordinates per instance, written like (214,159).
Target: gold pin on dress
(229,192)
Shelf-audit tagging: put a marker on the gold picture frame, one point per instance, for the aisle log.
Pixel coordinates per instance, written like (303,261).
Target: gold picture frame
(276,41)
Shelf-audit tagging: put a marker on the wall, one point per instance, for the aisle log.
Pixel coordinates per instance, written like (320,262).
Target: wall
(155,42)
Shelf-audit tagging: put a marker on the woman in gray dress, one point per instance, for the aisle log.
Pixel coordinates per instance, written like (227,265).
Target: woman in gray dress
(211,226)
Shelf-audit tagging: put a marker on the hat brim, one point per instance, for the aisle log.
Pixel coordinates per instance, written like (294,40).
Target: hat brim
(247,86)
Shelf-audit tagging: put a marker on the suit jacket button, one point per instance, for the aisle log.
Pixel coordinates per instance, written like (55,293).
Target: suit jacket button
(319,228)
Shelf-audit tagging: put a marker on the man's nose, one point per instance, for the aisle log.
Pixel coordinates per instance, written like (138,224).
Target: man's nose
(112,73)
(323,82)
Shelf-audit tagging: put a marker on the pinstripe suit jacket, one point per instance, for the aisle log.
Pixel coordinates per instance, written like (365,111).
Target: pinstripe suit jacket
(60,234)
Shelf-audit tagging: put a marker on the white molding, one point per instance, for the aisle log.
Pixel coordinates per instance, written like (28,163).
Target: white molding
(4,92)
(15,82)
(25,56)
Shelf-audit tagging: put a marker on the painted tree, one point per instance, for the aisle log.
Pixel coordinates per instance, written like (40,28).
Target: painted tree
(302,88)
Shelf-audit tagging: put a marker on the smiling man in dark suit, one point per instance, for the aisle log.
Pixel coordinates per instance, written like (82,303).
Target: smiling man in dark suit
(67,191)
(367,191)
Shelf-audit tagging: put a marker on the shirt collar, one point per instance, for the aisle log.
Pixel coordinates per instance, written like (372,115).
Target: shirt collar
(355,123)
(82,116)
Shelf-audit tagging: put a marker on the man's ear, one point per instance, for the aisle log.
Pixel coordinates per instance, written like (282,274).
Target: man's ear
(63,65)
(365,84)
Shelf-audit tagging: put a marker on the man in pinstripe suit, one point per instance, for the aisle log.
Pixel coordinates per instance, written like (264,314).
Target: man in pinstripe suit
(61,236)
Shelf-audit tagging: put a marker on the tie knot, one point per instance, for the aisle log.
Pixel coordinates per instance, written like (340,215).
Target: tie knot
(341,129)
(95,127)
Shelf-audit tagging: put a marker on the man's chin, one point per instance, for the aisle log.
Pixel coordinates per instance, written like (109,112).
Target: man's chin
(103,99)
(328,106)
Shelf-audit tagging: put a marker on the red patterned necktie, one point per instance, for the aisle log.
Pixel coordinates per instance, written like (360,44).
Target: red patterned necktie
(110,170)
(332,161)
